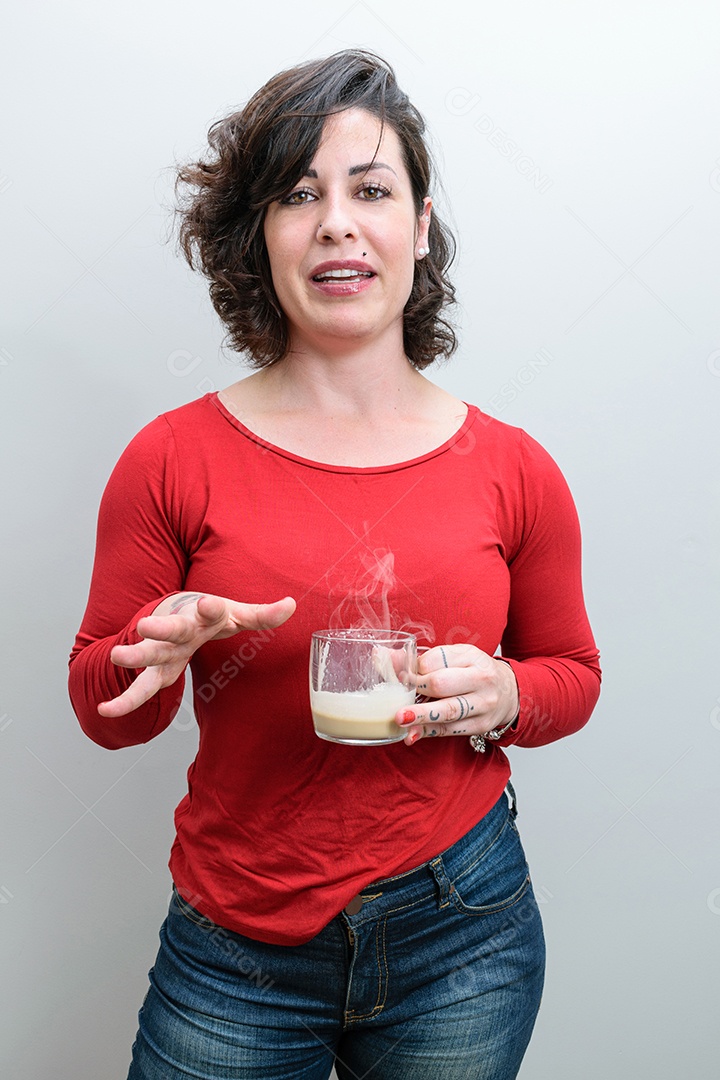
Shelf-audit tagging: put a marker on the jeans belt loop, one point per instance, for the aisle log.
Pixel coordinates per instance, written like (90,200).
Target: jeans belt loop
(513,800)
(437,869)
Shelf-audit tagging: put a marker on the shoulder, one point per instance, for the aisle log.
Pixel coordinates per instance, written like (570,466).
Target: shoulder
(529,483)
(152,455)
(192,417)
(510,445)
(160,435)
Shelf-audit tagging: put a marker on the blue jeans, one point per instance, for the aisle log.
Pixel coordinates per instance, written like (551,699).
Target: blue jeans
(438,975)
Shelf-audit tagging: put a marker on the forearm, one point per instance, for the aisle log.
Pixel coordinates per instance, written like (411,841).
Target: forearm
(547,640)
(557,696)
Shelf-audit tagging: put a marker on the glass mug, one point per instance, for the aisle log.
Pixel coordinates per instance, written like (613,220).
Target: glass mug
(359,680)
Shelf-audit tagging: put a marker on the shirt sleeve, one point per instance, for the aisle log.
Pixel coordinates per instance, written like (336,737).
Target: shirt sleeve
(548,641)
(139,560)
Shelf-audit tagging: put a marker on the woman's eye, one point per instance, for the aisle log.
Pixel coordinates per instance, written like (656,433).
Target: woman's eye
(297,198)
(373,192)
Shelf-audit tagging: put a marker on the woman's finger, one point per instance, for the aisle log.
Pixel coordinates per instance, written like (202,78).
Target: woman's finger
(430,731)
(142,689)
(151,652)
(257,616)
(169,630)
(446,711)
(447,670)
(443,657)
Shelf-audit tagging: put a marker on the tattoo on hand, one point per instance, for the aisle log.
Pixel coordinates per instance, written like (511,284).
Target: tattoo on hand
(183,600)
(465,707)
(434,716)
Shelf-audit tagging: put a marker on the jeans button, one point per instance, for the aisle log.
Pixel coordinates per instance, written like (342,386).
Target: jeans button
(354,906)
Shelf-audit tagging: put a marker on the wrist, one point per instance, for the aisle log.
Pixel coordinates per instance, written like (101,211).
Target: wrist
(511,692)
(177,602)
(511,714)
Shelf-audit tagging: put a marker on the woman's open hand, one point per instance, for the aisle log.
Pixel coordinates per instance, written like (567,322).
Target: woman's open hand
(471,693)
(178,627)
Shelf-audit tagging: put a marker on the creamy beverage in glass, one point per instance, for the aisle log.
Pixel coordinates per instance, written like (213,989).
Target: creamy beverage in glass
(359,680)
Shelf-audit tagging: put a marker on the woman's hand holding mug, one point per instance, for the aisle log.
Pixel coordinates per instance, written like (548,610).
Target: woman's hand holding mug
(469,692)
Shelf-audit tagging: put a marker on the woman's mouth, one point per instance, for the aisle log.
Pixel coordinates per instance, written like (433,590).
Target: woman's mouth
(343,275)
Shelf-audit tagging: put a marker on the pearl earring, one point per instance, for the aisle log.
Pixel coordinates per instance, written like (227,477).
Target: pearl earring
(422,252)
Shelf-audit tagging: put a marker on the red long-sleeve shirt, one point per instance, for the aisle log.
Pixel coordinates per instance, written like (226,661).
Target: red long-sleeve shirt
(477,542)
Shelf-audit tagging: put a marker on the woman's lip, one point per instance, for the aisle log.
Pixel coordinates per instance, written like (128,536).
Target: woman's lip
(342,264)
(342,286)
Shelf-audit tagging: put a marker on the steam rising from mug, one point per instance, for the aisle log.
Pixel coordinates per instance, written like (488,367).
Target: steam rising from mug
(366,603)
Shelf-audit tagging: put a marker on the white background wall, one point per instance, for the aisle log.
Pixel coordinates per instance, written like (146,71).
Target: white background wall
(601,257)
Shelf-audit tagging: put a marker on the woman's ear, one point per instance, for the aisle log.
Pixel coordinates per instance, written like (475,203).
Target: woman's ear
(422,245)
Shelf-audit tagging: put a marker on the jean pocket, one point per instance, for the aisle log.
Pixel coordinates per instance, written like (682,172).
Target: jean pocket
(190,913)
(496,879)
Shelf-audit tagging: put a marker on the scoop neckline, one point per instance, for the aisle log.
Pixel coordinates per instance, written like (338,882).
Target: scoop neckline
(214,399)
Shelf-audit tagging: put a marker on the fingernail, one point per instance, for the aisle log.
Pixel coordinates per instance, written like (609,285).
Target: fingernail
(408,717)
(413,738)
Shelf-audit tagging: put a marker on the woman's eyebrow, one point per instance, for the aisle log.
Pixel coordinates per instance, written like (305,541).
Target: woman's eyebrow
(355,170)
(368,166)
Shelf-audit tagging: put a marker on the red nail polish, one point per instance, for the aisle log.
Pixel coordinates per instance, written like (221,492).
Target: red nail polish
(408,717)
(413,738)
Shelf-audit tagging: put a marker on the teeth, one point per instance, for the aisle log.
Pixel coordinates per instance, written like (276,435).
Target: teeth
(342,274)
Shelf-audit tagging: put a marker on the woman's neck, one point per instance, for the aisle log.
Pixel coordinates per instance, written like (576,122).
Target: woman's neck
(354,384)
(326,425)
(355,409)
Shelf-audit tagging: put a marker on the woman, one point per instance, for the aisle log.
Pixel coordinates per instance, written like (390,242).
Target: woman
(367,908)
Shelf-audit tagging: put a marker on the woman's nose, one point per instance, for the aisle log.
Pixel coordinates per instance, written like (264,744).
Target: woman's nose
(337,222)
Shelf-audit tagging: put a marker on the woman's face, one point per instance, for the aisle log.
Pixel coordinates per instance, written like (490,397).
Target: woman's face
(343,243)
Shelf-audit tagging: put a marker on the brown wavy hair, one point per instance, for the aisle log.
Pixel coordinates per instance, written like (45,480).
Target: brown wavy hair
(257,156)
